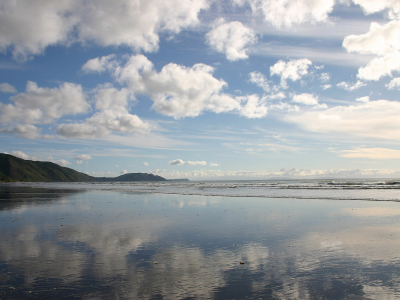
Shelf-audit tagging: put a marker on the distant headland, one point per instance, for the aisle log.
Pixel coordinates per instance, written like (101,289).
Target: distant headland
(13,169)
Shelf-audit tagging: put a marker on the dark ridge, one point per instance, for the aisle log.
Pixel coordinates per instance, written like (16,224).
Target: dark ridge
(14,169)
(133,177)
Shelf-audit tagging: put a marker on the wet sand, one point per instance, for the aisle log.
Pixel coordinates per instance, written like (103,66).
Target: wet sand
(77,244)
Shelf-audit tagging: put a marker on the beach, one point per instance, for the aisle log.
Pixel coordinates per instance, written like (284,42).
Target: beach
(228,240)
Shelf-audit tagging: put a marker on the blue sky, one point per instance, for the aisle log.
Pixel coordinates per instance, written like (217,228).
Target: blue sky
(235,89)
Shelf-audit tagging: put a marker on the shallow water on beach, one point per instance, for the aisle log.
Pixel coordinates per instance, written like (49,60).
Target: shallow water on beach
(119,243)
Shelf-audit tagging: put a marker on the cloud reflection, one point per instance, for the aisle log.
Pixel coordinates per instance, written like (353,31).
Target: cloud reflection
(148,246)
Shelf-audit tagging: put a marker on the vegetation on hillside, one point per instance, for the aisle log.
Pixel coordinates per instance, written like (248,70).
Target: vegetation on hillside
(16,169)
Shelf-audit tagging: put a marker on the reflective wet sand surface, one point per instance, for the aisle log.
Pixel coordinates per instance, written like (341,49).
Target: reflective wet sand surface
(66,244)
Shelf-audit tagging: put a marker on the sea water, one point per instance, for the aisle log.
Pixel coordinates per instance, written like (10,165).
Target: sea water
(305,239)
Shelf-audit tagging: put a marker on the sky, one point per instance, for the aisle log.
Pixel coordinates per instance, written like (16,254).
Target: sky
(201,89)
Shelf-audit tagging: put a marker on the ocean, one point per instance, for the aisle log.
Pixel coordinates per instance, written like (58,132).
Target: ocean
(272,239)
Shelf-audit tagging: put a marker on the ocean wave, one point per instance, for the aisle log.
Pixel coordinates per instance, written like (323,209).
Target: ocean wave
(368,190)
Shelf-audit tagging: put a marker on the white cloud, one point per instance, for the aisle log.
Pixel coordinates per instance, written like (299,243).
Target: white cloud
(145,164)
(30,26)
(231,38)
(394,84)
(306,99)
(254,107)
(178,91)
(186,92)
(372,153)
(286,13)
(62,162)
(43,105)
(20,154)
(380,66)
(375,119)
(81,130)
(178,162)
(7,88)
(196,163)
(79,162)
(83,157)
(350,87)
(34,25)
(294,173)
(373,6)
(379,40)
(99,64)
(326,86)
(112,116)
(136,23)
(260,80)
(293,70)
(24,130)
(383,41)
(214,165)
(124,172)
(325,77)
(363,99)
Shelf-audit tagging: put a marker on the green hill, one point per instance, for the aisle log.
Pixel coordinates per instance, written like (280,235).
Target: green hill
(16,169)
(135,177)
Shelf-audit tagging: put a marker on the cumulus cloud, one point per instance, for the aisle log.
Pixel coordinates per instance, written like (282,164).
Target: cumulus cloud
(260,80)
(363,99)
(374,119)
(20,154)
(231,38)
(286,13)
(7,88)
(350,87)
(372,6)
(26,131)
(380,66)
(326,86)
(112,116)
(293,70)
(214,165)
(177,91)
(178,162)
(186,92)
(43,105)
(62,162)
(294,173)
(394,84)
(306,99)
(83,157)
(29,27)
(381,40)
(99,64)
(124,172)
(372,153)
(145,164)
(254,107)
